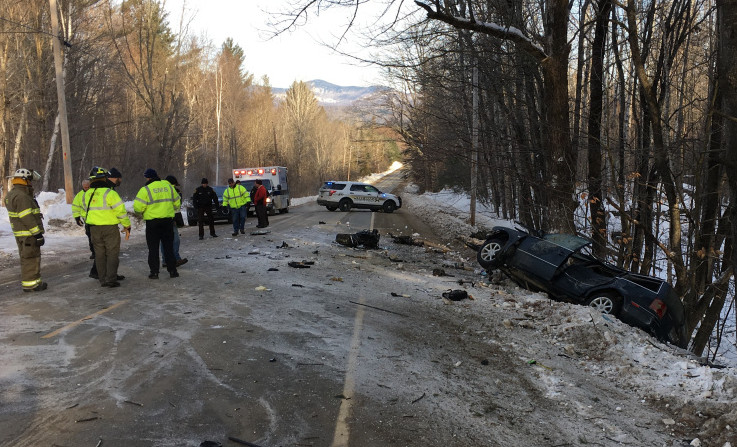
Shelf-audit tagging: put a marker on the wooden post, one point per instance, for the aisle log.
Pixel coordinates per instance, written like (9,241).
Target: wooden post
(68,181)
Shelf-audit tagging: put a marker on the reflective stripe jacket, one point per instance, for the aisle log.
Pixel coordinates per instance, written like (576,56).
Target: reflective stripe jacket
(103,206)
(23,211)
(156,200)
(236,197)
(77,205)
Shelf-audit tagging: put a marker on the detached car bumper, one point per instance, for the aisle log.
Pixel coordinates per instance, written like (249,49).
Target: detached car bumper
(220,213)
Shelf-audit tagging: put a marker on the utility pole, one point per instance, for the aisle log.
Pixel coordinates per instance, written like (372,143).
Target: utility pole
(474,139)
(59,69)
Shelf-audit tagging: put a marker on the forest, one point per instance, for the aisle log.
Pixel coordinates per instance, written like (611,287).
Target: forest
(616,120)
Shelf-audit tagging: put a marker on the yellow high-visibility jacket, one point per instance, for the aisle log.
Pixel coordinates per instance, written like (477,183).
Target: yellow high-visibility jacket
(103,206)
(77,205)
(236,197)
(156,200)
(23,211)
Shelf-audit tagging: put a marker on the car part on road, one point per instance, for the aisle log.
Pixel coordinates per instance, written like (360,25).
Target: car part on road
(365,238)
(456,295)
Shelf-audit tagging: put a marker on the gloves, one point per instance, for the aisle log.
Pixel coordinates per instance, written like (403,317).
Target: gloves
(79,221)
(40,240)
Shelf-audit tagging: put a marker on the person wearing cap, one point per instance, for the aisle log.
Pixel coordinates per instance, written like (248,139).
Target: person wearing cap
(77,215)
(178,222)
(236,198)
(103,210)
(115,177)
(158,201)
(203,199)
(26,222)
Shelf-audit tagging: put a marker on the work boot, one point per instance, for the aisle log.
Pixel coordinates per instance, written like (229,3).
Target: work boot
(202,237)
(174,274)
(120,277)
(38,288)
(153,276)
(111,284)
(243,231)
(181,262)
(213,235)
(235,234)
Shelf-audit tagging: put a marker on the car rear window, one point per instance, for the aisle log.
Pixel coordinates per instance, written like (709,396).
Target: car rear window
(333,185)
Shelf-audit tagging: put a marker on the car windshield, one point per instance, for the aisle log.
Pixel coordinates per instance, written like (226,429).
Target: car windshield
(219,191)
(569,241)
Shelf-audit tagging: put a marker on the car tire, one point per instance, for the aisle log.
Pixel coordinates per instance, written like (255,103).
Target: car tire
(389,206)
(487,254)
(605,302)
(191,217)
(345,205)
(331,208)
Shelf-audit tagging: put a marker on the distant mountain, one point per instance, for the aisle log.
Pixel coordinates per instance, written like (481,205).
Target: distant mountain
(328,94)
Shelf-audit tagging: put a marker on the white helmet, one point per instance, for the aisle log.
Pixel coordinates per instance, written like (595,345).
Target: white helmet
(26,174)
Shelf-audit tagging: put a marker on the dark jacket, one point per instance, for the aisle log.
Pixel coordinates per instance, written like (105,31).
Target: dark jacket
(204,196)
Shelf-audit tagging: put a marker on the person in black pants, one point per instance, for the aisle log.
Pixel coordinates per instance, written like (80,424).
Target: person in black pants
(203,199)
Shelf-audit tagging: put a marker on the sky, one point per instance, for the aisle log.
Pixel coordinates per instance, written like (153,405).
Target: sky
(296,55)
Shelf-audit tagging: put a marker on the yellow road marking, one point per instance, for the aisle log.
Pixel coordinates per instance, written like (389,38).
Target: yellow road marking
(88,317)
(342,431)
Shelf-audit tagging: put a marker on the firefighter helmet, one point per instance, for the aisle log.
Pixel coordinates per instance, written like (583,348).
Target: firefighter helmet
(98,172)
(27,174)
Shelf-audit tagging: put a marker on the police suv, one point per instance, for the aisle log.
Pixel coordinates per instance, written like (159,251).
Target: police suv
(347,195)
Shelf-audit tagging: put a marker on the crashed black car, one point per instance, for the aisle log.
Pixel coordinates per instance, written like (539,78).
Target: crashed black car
(562,265)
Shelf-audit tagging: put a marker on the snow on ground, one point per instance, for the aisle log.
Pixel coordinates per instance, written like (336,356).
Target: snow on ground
(610,349)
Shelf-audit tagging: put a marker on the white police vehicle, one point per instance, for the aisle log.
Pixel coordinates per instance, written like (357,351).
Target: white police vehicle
(345,196)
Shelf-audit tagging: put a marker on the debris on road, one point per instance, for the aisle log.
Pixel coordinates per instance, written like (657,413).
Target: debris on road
(406,240)
(262,289)
(365,238)
(300,264)
(456,295)
(260,232)
(283,245)
(403,295)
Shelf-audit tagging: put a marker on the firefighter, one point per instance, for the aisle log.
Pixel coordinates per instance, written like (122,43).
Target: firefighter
(103,210)
(26,221)
(77,215)
(237,198)
(158,201)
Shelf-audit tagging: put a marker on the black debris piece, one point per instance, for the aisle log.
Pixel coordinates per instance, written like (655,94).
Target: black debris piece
(273,269)
(298,265)
(321,223)
(455,295)
(365,238)
(297,285)
(210,444)
(406,240)
(283,245)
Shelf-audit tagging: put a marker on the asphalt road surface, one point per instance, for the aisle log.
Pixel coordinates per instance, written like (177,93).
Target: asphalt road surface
(351,348)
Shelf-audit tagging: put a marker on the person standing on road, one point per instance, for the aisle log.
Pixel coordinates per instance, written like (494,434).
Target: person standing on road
(203,199)
(237,198)
(77,215)
(178,223)
(26,221)
(259,200)
(158,201)
(103,210)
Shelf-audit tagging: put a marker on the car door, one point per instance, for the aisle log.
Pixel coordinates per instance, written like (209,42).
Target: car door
(359,196)
(542,257)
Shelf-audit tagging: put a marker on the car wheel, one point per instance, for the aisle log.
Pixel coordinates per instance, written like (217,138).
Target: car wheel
(606,303)
(345,205)
(389,206)
(487,254)
(331,208)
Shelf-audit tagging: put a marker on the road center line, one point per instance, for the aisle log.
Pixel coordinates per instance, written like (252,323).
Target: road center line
(78,322)
(342,431)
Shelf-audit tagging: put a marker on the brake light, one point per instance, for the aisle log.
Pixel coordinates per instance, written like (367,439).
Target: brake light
(332,191)
(659,307)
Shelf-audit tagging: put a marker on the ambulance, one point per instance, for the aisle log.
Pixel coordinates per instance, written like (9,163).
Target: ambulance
(274,178)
